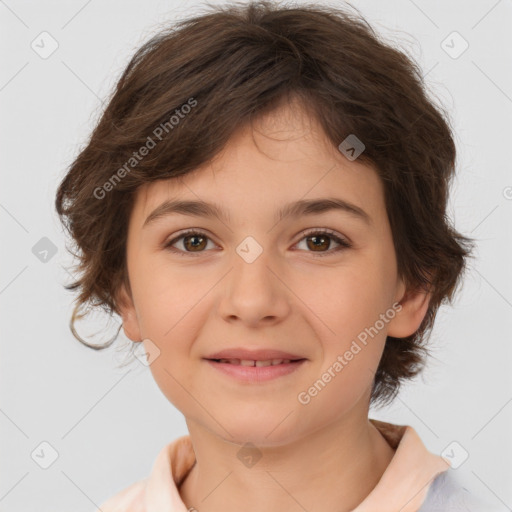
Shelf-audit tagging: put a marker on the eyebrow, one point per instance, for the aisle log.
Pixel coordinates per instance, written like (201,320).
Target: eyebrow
(297,208)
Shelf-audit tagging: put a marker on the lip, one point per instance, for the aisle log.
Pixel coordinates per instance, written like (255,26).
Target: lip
(256,374)
(253,355)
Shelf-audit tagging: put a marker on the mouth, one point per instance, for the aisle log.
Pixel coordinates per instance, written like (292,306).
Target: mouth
(255,362)
(256,371)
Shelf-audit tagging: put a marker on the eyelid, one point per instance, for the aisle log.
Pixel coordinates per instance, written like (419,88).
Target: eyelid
(326,231)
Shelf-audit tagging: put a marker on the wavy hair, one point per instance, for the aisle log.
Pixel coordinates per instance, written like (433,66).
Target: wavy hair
(237,63)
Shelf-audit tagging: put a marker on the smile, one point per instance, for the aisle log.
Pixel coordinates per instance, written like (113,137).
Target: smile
(252,371)
(251,362)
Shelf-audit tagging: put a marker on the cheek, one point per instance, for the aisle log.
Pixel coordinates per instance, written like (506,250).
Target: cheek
(348,299)
(352,336)
(172,331)
(347,318)
(167,297)
(173,307)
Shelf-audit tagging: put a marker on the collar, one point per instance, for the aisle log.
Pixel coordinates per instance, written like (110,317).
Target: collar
(403,486)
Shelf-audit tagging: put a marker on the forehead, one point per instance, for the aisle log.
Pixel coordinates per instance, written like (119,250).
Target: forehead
(282,157)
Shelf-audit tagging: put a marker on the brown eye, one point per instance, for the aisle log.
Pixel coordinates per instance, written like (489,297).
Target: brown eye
(320,241)
(190,242)
(193,242)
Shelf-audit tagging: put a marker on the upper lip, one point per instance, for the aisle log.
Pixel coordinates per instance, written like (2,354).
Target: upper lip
(253,355)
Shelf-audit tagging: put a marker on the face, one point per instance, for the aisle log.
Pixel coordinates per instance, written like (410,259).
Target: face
(311,283)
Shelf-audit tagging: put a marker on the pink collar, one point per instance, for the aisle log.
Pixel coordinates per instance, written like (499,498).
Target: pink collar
(403,487)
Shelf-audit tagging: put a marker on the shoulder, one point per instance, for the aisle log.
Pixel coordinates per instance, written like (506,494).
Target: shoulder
(130,499)
(447,494)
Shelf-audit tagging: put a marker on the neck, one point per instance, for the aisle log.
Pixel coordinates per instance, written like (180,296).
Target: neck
(332,469)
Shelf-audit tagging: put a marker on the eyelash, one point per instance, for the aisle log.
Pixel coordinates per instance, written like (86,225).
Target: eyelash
(343,244)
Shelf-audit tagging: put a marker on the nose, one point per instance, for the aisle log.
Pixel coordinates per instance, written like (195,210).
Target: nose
(254,292)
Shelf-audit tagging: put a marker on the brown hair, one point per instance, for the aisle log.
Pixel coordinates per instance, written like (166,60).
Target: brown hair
(202,79)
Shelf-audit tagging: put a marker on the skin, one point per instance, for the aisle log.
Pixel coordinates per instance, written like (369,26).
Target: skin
(325,455)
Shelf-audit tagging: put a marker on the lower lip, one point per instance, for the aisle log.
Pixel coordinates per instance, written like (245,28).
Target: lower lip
(256,373)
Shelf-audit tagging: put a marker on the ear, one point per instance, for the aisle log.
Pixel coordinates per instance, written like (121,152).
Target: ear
(128,313)
(408,319)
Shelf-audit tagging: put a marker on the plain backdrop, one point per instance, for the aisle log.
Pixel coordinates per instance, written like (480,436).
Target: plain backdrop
(102,426)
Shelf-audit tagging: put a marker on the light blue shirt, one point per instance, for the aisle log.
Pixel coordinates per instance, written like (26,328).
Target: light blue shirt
(447,494)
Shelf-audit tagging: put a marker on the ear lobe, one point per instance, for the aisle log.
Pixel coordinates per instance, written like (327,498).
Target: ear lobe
(129,315)
(414,308)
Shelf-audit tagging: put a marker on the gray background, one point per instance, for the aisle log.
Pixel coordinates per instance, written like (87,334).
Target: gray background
(107,424)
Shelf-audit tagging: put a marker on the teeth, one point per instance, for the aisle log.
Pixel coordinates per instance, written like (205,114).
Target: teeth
(265,363)
(249,362)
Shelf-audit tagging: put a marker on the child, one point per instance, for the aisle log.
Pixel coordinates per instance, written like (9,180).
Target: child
(263,202)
